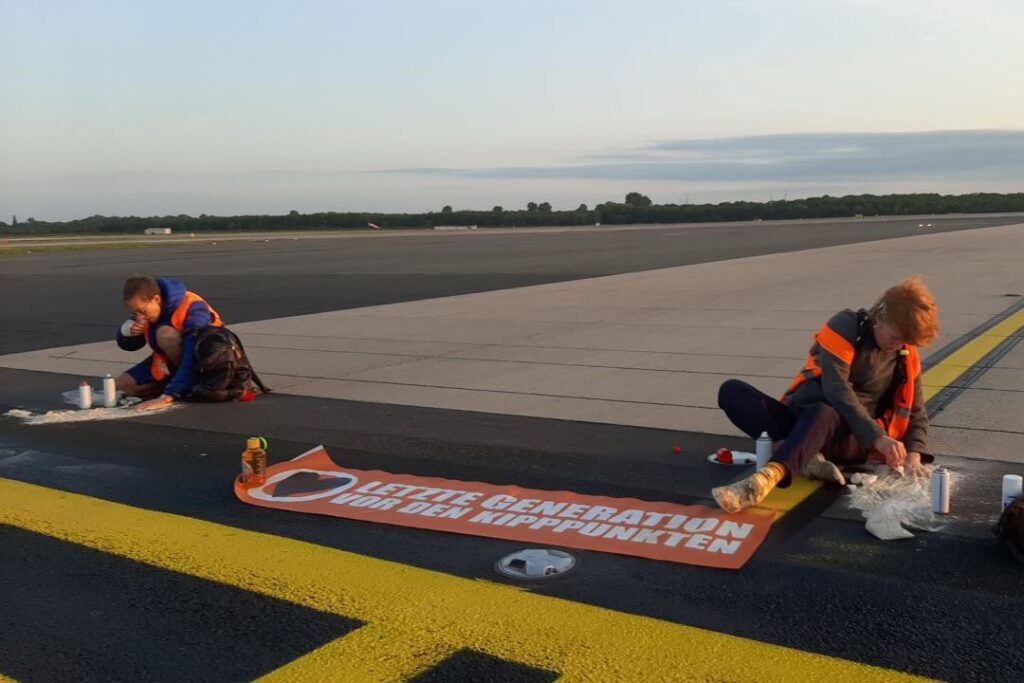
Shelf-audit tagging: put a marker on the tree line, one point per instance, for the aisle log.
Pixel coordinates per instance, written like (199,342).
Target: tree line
(636,208)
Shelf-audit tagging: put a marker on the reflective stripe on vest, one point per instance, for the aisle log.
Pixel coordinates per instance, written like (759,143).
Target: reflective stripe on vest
(903,398)
(159,368)
(897,419)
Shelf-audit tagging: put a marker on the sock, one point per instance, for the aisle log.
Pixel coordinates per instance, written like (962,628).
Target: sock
(771,474)
(749,491)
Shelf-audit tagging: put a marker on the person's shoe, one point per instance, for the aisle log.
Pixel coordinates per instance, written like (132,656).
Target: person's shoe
(821,469)
(750,491)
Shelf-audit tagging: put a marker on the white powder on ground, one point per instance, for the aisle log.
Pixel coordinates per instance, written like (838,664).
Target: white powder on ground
(65,416)
(892,503)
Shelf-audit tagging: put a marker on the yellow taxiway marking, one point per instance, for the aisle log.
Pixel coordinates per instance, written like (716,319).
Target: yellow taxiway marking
(960,361)
(415,617)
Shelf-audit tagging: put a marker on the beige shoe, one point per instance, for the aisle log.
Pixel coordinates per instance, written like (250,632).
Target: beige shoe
(744,493)
(821,469)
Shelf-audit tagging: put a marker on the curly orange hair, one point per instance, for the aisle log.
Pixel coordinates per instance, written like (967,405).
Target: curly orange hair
(911,309)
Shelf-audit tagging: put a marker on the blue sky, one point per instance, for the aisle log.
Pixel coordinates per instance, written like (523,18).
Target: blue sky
(144,108)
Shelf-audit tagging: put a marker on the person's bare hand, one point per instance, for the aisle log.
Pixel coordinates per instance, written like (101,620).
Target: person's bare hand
(894,451)
(138,327)
(915,466)
(155,403)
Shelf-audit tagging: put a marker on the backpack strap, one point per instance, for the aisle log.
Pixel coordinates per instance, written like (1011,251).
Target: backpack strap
(255,377)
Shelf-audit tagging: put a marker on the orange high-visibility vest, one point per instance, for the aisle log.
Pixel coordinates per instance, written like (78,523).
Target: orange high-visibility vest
(160,366)
(896,420)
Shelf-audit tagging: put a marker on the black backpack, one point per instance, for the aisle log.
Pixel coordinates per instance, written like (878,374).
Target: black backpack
(222,370)
(1010,529)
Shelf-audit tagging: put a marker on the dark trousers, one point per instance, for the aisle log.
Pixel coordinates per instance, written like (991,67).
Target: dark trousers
(817,429)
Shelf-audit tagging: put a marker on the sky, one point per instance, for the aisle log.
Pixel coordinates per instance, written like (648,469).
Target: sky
(217,107)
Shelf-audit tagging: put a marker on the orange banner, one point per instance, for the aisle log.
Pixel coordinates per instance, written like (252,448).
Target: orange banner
(692,534)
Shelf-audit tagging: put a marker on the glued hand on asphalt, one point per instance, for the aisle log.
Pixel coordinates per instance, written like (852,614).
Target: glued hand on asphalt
(914,465)
(158,402)
(894,451)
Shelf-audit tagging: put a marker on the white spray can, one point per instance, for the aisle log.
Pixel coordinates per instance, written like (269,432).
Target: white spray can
(84,395)
(763,449)
(109,391)
(1013,488)
(940,491)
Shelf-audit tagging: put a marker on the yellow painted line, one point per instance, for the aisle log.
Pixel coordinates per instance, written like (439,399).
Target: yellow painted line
(416,617)
(781,501)
(374,652)
(961,360)
(934,380)
(6,679)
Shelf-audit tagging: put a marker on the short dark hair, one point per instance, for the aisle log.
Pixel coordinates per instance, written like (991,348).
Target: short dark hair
(142,286)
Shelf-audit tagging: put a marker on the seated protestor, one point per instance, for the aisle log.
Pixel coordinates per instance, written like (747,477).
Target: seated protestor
(167,317)
(859,398)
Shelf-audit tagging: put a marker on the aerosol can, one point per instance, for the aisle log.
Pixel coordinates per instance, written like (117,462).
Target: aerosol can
(763,449)
(84,395)
(109,392)
(254,462)
(940,491)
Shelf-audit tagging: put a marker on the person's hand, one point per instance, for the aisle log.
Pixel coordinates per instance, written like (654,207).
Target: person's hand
(894,451)
(154,404)
(915,466)
(133,327)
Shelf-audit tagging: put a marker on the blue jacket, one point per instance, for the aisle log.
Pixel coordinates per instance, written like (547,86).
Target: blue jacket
(172,292)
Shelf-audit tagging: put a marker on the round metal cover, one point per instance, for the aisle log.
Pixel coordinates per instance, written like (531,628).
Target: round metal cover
(535,563)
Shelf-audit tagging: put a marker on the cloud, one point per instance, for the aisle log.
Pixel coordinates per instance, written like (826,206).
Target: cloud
(797,157)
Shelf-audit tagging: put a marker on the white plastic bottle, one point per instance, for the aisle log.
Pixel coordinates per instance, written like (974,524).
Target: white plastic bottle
(1013,488)
(109,392)
(84,395)
(763,449)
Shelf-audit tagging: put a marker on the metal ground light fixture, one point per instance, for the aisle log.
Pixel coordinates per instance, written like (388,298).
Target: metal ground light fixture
(534,564)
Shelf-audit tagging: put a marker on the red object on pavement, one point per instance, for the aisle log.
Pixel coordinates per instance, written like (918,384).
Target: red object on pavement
(724,456)
(677,449)
(248,395)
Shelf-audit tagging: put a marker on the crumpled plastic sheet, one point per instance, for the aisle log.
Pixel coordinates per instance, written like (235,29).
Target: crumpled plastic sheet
(892,505)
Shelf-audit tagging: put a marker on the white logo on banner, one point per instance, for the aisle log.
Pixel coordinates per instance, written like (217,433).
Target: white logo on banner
(347,481)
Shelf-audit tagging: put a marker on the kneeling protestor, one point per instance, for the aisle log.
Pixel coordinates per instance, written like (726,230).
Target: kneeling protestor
(171,320)
(858,398)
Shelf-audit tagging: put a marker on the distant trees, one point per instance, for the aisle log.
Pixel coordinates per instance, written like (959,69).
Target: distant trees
(637,199)
(636,209)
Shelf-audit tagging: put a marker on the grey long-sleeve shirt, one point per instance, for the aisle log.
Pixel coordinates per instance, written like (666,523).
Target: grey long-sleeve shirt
(861,392)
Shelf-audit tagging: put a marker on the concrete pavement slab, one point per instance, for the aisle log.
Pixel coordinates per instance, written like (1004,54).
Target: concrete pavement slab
(985,409)
(1002,379)
(980,443)
(645,348)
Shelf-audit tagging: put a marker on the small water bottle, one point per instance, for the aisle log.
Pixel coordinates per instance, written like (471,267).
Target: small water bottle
(84,395)
(763,449)
(1013,488)
(940,491)
(109,391)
